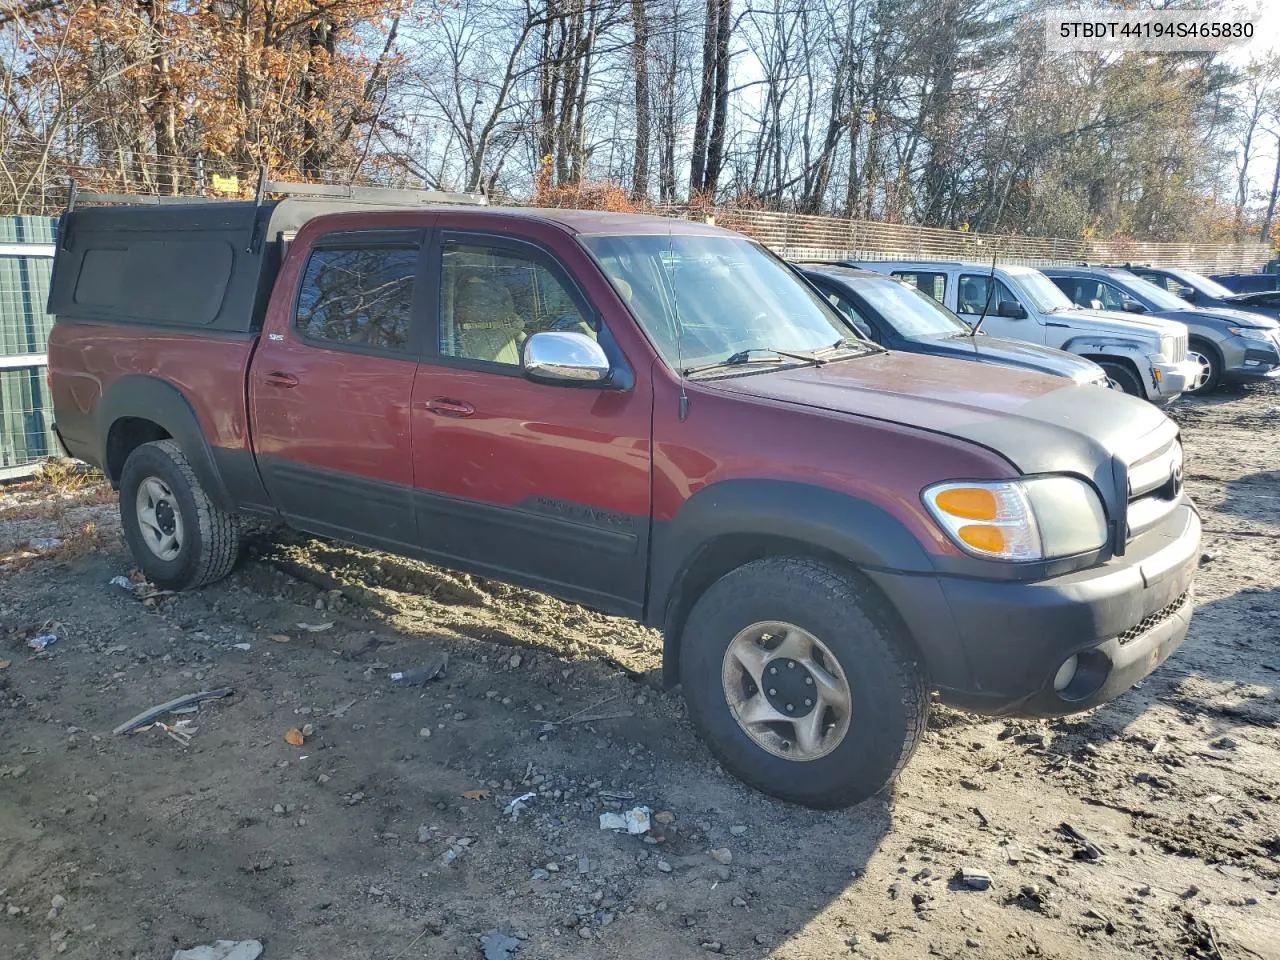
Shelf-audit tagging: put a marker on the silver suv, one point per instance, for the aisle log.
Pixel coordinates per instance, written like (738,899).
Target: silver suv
(1145,356)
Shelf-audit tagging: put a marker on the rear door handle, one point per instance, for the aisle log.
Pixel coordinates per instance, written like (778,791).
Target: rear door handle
(445,407)
(278,379)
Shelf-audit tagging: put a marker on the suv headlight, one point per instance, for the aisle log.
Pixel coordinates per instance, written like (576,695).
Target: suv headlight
(1038,518)
(1251,333)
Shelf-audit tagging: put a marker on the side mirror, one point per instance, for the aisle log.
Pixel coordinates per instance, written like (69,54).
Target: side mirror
(1188,294)
(572,359)
(1011,310)
(1133,306)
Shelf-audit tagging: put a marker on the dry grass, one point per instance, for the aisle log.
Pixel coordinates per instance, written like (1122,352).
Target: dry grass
(57,487)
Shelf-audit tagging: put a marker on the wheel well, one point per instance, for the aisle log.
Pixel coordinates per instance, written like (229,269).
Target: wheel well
(1208,345)
(125,436)
(1128,364)
(716,558)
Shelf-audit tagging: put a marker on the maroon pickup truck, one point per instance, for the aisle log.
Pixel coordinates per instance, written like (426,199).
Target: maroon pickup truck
(654,418)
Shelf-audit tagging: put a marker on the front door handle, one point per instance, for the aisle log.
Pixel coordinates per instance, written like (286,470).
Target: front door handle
(445,407)
(277,378)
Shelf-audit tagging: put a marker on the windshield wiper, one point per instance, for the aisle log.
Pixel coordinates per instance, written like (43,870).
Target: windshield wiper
(743,357)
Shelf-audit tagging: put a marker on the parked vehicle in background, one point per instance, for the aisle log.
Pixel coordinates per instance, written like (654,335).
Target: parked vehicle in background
(1229,346)
(896,315)
(1146,356)
(1202,291)
(655,418)
(1264,281)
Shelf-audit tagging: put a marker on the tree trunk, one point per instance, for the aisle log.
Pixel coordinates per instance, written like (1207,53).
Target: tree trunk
(706,93)
(715,144)
(640,168)
(1264,234)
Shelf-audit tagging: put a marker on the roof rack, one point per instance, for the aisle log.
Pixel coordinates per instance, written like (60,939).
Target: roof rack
(328,191)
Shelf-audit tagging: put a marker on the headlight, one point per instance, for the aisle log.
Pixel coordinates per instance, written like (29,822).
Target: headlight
(1034,519)
(1251,333)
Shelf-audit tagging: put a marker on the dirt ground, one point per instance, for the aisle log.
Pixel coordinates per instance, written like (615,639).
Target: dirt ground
(1147,828)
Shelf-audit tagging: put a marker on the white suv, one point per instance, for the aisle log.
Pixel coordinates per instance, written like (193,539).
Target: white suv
(1145,356)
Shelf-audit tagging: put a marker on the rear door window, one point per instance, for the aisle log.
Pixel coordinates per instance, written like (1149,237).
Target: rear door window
(934,284)
(358,297)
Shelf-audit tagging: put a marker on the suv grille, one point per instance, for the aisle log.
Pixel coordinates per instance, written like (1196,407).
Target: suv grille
(1155,486)
(1179,348)
(1149,623)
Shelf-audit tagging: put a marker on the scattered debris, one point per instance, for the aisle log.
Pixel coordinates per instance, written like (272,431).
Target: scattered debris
(42,642)
(520,803)
(294,737)
(476,794)
(1199,938)
(617,794)
(184,701)
(315,627)
(242,646)
(121,582)
(1085,848)
(279,637)
(423,674)
(4,664)
(179,732)
(498,946)
(340,711)
(635,821)
(975,878)
(722,855)
(222,950)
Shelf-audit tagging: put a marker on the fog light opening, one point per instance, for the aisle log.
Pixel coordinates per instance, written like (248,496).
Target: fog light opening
(1066,673)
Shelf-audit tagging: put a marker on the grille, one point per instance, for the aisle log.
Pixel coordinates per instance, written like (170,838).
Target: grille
(1149,623)
(1179,348)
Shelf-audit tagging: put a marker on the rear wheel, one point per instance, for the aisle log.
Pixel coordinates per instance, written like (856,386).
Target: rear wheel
(1206,356)
(179,538)
(1124,378)
(799,680)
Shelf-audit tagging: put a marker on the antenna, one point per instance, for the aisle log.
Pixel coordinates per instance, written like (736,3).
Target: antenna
(675,310)
(991,290)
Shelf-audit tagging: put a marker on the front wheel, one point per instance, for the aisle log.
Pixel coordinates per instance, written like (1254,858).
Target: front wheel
(800,681)
(1124,378)
(1210,368)
(178,536)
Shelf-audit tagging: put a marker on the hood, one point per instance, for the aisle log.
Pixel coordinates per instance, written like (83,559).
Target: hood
(1016,353)
(1222,315)
(1262,298)
(1121,324)
(1039,423)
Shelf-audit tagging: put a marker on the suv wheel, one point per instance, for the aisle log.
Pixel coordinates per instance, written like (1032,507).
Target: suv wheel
(178,536)
(1210,367)
(797,677)
(1124,378)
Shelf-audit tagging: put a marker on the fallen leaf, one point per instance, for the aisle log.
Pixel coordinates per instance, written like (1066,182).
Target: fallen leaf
(294,736)
(4,664)
(279,638)
(314,627)
(476,794)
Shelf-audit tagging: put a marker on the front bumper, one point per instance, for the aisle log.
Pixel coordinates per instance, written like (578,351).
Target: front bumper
(995,647)
(1257,361)
(1172,379)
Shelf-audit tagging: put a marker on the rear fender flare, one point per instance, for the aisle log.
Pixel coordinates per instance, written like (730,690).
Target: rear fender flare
(161,403)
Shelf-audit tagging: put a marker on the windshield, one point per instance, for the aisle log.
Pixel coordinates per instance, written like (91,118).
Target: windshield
(702,299)
(1041,291)
(1202,283)
(910,312)
(1159,297)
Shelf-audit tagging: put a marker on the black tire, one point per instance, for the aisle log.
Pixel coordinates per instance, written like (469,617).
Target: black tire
(890,701)
(210,542)
(1214,361)
(1124,378)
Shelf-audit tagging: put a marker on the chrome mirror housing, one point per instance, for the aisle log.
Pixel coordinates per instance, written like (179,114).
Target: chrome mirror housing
(564,357)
